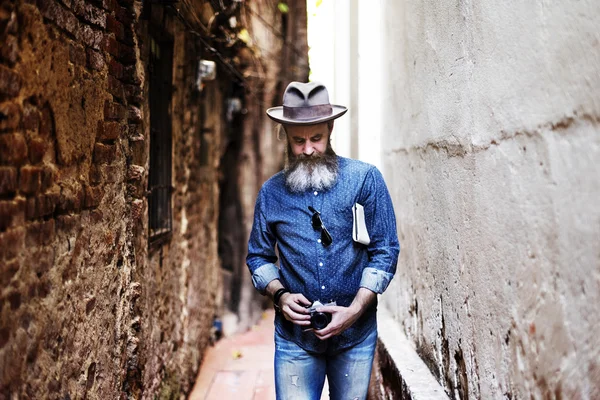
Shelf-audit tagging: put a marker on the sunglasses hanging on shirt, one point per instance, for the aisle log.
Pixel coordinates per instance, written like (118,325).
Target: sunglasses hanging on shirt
(317,223)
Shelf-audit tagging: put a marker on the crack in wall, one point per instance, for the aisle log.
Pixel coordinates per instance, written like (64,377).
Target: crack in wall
(454,148)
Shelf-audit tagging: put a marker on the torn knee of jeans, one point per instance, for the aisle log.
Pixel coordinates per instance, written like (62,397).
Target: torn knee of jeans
(295,380)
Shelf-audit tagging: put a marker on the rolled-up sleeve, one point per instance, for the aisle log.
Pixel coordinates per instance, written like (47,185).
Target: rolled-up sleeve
(263,275)
(261,256)
(380,219)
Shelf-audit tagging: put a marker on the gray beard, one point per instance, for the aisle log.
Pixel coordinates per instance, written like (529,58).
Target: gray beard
(315,172)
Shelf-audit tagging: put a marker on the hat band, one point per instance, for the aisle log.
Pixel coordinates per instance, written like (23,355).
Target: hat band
(308,112)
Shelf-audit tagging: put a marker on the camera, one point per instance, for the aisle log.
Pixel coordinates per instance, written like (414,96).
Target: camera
(319,320)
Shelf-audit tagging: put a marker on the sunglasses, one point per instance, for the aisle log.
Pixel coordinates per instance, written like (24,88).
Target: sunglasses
(317,223)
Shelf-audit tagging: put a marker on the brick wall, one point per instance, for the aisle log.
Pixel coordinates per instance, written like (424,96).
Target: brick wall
(87,308)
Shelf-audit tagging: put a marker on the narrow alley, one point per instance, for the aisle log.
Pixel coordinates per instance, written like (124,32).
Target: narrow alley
(240,367)
(135,140)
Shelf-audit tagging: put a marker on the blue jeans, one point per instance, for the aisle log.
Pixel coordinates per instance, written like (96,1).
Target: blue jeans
(301,375)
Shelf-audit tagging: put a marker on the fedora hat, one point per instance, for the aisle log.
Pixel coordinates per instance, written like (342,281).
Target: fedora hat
(305,104)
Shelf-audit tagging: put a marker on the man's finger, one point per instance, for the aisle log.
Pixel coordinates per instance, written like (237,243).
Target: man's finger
(300,322)
(300,297)
(323,334)
(296,316)
(299,309)
(329,309)
(329,330)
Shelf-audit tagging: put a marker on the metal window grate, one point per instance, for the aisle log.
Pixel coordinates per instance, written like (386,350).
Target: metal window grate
(159,178)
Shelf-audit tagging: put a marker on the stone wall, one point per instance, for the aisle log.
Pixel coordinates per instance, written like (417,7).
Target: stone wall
(492,141)
(88,307)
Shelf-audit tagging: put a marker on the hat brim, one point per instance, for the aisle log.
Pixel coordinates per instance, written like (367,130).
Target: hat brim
(276,114)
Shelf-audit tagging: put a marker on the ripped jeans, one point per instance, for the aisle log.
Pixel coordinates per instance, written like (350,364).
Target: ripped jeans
(301,375)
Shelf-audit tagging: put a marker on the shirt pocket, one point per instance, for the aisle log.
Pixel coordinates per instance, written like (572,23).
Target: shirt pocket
(341,223)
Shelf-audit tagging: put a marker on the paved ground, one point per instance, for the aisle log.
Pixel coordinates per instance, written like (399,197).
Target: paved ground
(240,367)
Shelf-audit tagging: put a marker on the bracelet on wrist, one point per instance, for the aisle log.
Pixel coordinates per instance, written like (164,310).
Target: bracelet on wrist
(277,296)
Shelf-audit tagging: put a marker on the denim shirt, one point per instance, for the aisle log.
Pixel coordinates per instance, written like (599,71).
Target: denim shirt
(332,273)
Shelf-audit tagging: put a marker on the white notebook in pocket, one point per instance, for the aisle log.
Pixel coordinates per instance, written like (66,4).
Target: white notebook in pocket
(359,227)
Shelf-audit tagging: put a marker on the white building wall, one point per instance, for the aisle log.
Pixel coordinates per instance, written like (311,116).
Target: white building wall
(344,41)
(491,146)
(330,57)
(369,81)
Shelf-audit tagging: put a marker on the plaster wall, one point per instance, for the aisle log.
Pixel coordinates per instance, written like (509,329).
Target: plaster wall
(491,141)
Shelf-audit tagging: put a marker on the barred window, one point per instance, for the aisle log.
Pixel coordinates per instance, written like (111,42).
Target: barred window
(159,175)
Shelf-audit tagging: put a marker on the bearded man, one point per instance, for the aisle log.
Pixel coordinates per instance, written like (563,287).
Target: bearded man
(308,211)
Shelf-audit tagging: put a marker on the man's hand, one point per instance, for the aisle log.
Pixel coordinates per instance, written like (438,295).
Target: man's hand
(293,307)
(343,317)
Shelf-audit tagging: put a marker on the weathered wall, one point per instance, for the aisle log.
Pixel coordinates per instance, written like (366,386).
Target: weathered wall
(492,136)
(66,252)
(87,308)
(181,281)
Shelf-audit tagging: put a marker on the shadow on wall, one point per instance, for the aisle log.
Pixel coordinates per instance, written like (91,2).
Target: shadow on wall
(386,382)
(231,231)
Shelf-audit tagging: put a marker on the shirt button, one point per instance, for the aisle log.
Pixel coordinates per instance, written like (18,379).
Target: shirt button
(323,287)
(320,264)
(318,240)
(316,193)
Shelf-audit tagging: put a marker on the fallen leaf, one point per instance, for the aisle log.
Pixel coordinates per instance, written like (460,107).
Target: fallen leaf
(236,354)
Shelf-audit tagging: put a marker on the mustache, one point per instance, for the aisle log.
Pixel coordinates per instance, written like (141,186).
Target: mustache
(311,159)
(309,163)
(317,158)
